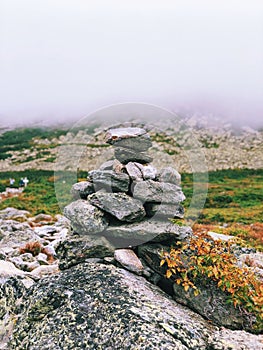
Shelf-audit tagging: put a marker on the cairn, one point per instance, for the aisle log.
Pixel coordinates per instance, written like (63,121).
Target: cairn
(127,200)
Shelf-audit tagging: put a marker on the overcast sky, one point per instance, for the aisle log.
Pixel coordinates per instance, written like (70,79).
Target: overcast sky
(62,59)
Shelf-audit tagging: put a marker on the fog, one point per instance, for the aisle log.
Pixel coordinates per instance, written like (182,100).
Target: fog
(61,60)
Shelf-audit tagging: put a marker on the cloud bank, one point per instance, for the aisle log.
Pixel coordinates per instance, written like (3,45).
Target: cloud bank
(61,60)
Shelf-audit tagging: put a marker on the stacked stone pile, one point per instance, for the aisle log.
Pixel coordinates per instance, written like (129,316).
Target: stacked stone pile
(127,200)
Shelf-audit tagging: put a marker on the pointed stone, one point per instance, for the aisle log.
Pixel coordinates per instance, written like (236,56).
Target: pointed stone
(133,171)
(170,175)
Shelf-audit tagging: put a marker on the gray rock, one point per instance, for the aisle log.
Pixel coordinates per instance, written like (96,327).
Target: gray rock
(96,306)
(17,261)
(77,249)
(8,269)
(19,238)
(148,230)
(158,192)
(133,171)
(13,213)
(219,236)
(111,180)
(149,172)
(85,218)
(13,226)
(164,211)
(27,257)
(42,259)
(254,262)
(150,253)
(11,291)
(129,260)
(46,231)
(126,155)
(170,175)
(108,165)
(134,138)
(44,271)
(41,218)
(211,303)
(82,189)
(113,164)
(120,205)
(30,266)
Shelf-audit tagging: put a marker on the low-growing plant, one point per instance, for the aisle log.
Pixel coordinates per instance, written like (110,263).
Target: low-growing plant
(35,248)
(204,258)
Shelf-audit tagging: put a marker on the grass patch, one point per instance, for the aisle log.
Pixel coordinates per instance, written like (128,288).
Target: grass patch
(234,196)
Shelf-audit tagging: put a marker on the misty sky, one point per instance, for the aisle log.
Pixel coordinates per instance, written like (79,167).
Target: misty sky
(64,59)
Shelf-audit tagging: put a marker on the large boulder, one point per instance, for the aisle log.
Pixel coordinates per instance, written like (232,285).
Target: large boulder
(119,205)
(85,218)
(97,306)
(11,292)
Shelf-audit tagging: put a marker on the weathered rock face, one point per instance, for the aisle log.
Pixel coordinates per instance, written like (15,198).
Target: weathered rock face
(85,218)
(11,291)
(125,155)
(95,306)
(120,205)
(164,211)
(76,250)
(158,192)
(81,190)
(133,138)
(149,230)
(13,214)
(110,180)
(170,175)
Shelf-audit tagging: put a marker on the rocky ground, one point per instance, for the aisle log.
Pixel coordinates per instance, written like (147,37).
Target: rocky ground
(94,280)
(70,293)
(220,144)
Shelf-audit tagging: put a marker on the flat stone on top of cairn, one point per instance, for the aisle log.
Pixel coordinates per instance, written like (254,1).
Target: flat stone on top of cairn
(134,138)
(130,144)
